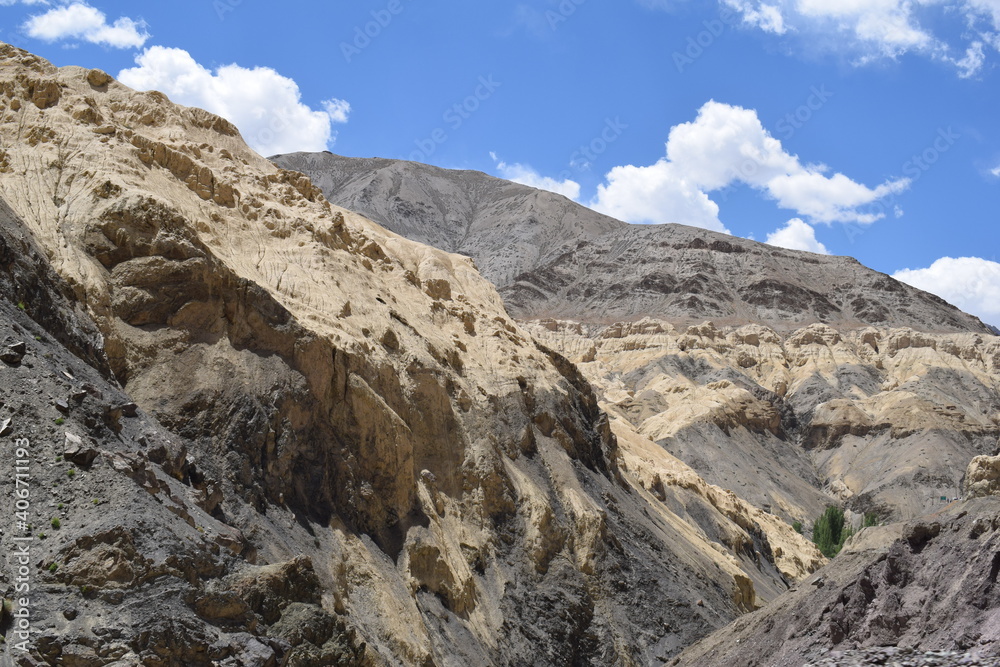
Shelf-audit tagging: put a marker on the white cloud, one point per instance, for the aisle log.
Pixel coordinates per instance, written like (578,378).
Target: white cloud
(760,15)
(78,20)
(797,235)
(996,171)
(973,61)
(525,175)
(971,283)
(725,145)
(870,30)
(830,199)
(266,106)
(657,194)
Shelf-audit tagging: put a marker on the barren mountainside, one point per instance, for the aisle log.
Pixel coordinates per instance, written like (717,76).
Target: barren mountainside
(927,584)
(264,430)
(552,258)
(881,421)
(792,381)
(273,432)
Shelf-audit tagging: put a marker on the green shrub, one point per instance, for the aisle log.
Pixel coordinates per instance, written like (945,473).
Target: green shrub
(56,523)
(830,531)
(71,472)
(797,527)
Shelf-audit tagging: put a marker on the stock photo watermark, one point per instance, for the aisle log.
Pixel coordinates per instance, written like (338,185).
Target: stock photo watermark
(913,169)
(19,554)
(786,127)
(454,117)
(587,154)
(223,7)
(697,44)
(563,12)
(796,120)
(366,34)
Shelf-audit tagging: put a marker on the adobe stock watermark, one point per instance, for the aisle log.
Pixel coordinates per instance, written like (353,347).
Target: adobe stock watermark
(584,157)
(223,7)
(563,12)
(365,35)
(702,41)
(454,117)
(796,120)
(914,169)
(786,127)
(19,554)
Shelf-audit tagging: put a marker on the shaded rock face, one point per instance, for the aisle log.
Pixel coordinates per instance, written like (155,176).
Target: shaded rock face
(314,441)
(926,585)
(552,258)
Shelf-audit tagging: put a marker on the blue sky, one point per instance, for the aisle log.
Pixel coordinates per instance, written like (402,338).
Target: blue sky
(854,127)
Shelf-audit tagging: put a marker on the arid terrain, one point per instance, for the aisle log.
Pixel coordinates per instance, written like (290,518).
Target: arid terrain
(378,413)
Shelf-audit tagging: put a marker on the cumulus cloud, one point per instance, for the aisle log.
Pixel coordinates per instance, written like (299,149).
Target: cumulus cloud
(723,146)
(971,283)
(656,194)
(996,171)
(870,30)
(797,235)
(525,175)
(266,106)
(80,21)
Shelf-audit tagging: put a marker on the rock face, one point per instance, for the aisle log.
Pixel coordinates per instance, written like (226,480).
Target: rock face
(552,258)
(983,477)
(299,437)
(926,585)
(880,420)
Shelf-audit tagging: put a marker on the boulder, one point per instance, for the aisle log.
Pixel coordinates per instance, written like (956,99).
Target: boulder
(982,477)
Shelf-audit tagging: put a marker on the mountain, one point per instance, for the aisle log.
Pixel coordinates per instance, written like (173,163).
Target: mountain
(867,406)
(880,421)
(263,430)
(552,258)
(791,380)
(924,585)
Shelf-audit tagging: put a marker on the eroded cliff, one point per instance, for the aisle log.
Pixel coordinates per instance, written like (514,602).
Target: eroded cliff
(315,440)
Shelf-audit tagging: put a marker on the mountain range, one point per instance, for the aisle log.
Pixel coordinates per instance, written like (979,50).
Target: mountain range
(553,258)
(327,411)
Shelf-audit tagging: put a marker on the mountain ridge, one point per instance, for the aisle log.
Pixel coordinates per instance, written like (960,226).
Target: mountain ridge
(553,258)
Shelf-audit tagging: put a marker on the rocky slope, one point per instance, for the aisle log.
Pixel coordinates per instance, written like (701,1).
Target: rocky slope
(552,258)
(311,441)
(926,585)
(880,420)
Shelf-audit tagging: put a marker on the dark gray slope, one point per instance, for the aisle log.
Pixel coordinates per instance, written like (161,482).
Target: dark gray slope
(551,257)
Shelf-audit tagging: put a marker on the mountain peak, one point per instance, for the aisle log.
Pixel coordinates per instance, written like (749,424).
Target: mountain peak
(553,258)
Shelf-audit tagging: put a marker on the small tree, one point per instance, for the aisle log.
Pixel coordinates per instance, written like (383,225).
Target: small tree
(830,532)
